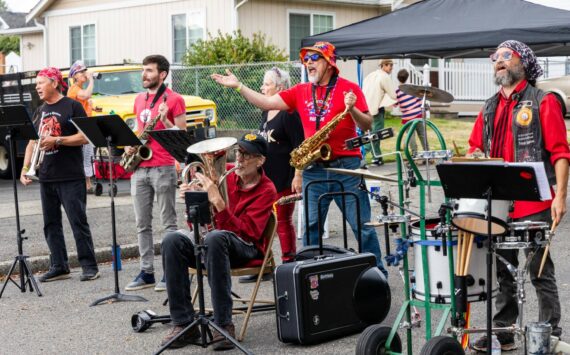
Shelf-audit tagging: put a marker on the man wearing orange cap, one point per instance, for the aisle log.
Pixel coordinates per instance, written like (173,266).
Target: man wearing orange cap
(318,102)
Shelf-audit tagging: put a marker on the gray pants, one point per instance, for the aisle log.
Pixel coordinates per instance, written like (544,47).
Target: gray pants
(418,133)
(145,184)
(546,289)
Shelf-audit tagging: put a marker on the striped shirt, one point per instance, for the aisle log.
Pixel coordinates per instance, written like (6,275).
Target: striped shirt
(410,106)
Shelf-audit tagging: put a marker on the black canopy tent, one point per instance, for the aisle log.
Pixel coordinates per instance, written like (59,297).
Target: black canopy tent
(453,28)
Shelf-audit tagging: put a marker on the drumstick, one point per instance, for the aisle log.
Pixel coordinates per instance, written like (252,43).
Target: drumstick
(546,250)
(457,258)
(470,246)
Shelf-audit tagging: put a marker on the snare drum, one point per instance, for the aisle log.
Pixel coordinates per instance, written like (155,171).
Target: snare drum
(470,215)
(524,235)
(438,266)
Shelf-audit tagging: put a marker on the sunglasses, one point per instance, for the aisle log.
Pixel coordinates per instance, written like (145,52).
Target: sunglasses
(506,56)
(276,71)
(245,155)
(312,57)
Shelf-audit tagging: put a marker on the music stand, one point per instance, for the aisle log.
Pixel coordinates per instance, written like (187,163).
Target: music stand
(16,124)
(176,141)
(490,181)
(198,212)
(107,131)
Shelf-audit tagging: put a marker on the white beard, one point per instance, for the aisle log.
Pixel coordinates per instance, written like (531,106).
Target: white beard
(314,79)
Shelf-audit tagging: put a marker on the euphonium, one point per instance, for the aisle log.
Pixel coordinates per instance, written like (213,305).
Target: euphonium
(314,147)
(213,158)
(129,162)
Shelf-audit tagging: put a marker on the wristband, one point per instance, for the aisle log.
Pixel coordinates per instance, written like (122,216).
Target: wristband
(25,168)
(238,89)
(58,141)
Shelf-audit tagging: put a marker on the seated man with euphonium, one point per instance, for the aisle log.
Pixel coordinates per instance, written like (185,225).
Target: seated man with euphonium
(239,222)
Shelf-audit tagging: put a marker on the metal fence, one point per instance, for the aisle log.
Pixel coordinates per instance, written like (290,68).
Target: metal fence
(234,112)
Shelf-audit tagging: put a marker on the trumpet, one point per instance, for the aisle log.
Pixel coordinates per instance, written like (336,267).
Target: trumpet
(38,154)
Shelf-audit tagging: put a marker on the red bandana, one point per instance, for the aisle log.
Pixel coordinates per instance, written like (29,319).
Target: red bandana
(53,74)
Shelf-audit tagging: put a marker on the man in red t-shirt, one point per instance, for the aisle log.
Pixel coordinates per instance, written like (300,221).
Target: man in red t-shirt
(318,102)
(156,176)
(523,124)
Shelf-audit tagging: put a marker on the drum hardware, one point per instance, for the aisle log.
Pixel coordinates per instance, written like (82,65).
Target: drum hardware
(362,173)
(546,250)
(427,92)
(524,235)
(433,154)
(143,320)
(369,137)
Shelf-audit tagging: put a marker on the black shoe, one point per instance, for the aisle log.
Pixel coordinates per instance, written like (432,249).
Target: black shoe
(253,278)
(55,274)
(363,164)
(507,341)
(89,275)
(190,337)
(378,162)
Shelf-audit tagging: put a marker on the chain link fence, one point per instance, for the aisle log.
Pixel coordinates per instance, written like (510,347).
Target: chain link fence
(234,112)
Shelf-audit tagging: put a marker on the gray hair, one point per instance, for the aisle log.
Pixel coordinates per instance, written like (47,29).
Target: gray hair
(280,77)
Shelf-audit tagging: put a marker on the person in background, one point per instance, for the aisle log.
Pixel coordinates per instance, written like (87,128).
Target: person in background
(411,108)
(380,93)
(82,93)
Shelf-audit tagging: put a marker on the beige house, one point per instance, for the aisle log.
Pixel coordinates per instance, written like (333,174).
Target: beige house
(112,31)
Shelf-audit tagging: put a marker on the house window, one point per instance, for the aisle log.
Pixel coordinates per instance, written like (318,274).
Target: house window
(187,29)
(303,25)
(82,44)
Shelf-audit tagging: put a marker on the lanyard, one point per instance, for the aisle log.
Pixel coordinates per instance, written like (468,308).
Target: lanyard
(159,93)
(320,110)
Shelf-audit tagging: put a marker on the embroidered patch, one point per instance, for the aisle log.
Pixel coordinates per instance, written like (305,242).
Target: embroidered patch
(524,116)
(250,137)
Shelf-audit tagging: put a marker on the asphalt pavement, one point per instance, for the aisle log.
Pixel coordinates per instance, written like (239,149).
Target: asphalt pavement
(61,321)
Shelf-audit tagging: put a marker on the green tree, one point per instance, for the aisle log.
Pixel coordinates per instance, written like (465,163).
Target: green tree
(9,44)
(235,52)
(233,49)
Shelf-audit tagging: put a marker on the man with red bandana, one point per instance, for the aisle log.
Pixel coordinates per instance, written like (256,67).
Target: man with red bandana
(524,124)
(61,177)
(318,102)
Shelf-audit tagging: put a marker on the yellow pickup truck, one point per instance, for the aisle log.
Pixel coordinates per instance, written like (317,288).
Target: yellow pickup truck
(115,91)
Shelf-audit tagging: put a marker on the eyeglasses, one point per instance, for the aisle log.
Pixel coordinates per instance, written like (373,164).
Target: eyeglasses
(245,155)
(314,57)
(505,56)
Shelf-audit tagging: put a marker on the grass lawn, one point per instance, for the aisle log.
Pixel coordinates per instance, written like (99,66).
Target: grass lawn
(452,130)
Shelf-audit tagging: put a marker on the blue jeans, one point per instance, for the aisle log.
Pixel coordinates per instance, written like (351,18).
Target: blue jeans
(317,172)
(72,195)
(224,250)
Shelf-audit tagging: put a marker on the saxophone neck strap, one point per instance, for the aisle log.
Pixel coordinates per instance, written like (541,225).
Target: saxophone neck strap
(320,110)
(159,93)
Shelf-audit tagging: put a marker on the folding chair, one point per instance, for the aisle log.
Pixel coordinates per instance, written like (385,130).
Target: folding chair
(257,267)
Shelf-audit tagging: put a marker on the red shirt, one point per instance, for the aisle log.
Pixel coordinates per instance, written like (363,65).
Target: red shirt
(300,98)
(248,210)
(176,107)
(553,134)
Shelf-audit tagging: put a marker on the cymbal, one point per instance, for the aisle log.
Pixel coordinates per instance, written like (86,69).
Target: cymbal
(431,93)
(365,173)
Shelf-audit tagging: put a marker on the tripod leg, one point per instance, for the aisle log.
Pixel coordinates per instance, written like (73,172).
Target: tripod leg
(8,276)
(228,337)
(190,326)
(31,280)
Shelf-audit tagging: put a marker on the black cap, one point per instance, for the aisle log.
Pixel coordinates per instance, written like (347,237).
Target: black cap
(253,143)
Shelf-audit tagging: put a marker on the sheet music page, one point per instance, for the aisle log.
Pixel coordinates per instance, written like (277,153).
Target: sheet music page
(540,172)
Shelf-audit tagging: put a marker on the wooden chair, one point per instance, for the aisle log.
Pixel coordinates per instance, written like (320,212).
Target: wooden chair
(259,267)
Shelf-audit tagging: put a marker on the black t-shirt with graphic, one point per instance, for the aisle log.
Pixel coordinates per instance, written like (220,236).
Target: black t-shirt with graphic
(63,163)
(283,133)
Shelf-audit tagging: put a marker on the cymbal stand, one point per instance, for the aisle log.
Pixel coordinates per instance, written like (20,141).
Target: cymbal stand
(425,114)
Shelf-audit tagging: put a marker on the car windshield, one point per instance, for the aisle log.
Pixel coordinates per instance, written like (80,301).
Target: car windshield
(119,83)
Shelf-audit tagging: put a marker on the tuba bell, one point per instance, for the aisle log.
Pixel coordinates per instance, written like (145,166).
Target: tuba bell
(212,163)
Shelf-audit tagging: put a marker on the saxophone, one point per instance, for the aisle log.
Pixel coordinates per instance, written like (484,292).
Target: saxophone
(314,148)
(129,162)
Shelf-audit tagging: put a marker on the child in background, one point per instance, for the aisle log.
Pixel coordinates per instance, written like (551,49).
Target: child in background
(411,108)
